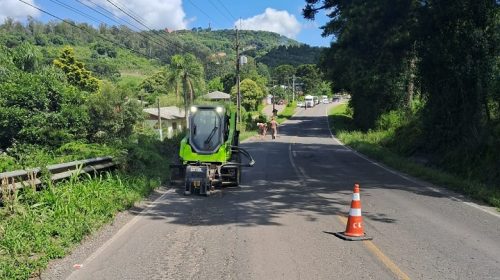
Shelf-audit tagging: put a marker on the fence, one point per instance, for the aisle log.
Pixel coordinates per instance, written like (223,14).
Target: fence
(14,180)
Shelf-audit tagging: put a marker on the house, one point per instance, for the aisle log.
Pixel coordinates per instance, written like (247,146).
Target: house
(173,120)
(217,96)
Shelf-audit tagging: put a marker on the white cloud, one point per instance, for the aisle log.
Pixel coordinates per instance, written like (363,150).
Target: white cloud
(17,10)
(272,20)
(156,14)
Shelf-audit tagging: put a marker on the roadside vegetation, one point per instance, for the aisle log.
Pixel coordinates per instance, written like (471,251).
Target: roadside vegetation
(423,78)
(39,226)
(379,144)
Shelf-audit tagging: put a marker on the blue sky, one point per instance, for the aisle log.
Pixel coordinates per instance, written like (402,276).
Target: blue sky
(281,16)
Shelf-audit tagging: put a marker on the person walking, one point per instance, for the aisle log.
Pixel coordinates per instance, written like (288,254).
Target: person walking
(274,127)
(262,129)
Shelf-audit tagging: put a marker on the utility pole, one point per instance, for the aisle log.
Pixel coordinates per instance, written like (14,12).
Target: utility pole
(159,121)
(238,94)
(293,88)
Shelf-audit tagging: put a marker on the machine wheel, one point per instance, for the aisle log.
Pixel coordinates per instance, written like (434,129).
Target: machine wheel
(236,179)
(238,176)
(187,188)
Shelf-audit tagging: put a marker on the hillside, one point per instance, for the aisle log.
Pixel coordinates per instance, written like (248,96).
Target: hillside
(108,50)
(293,55)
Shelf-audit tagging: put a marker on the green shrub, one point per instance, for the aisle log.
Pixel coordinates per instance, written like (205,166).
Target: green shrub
(8,163)
(390,120)
(80,150)
(150,157)
(30,156)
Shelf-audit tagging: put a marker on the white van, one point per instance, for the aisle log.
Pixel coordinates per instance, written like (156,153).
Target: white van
(324,99)
(309,101)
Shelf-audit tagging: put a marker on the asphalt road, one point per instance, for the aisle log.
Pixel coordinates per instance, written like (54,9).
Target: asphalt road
(278,224)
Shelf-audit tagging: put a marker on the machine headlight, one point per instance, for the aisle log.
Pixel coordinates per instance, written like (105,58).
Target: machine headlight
(194,109)
(219,110)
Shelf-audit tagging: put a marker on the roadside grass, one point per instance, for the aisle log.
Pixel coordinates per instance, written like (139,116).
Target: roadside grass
(244,135)
(37,226)
(371,144)
(45,225)
(287,113)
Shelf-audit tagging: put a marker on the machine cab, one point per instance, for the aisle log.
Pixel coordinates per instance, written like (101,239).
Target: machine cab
(208,128)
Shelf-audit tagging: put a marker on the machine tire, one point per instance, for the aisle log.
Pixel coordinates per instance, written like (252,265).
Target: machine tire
(186,192)
(238,177)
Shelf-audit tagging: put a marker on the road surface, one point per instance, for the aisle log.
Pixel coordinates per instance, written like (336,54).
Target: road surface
(278,224)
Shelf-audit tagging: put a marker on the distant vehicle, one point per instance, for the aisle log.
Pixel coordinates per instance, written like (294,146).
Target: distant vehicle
(309,101)
(316,100)
(301,104)
(325,101)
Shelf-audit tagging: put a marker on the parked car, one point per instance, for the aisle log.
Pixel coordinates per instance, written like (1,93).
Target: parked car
(301,104)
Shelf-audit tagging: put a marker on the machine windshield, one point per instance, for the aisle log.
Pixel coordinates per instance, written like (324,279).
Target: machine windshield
(206,130)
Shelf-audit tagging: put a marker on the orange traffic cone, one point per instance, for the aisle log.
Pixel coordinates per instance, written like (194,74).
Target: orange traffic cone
(355,229)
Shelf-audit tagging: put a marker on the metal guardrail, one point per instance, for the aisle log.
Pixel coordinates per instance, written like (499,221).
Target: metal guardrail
(14,180)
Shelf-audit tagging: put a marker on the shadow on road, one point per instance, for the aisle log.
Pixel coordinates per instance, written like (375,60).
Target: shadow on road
(275,187)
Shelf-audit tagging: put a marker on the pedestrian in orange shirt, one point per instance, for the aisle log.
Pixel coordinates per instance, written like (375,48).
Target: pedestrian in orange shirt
(274,128)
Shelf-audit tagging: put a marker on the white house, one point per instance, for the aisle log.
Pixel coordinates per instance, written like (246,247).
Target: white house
(173,119)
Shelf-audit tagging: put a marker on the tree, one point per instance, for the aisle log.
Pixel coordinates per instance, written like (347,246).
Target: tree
(251,94)
(40,109)
(229,80)
(76,73)
(278,93)
(375,44)
(186,72)
(26,57)
(459,54)
(156,85)
(310,77)
(283,72)
(113,116)
(215,84)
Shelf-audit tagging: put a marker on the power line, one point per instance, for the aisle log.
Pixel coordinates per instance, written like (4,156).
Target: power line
(202,11)
(108,17)
(74,10)
(161,35)
(141,23)
(227,10)
(223,14)
(93,18)
(79,27)
(143,35)
(128,12)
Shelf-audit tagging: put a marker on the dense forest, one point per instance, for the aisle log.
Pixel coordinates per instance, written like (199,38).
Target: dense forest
(294,55)
(427,70)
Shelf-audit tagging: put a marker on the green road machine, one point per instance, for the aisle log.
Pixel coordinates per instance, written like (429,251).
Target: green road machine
(209,154)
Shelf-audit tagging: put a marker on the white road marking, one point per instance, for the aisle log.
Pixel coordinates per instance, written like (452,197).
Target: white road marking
(120,232)
(431,188)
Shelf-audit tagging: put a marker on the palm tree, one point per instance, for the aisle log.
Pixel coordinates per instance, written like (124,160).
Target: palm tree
(186,71)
